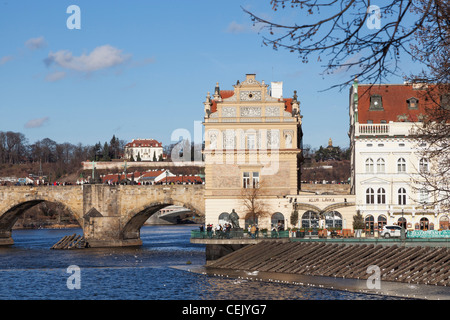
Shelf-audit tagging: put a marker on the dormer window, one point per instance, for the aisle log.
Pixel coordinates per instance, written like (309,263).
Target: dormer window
(413,103)
(376,102)
(445,101)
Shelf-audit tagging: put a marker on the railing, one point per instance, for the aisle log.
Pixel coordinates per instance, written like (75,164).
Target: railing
(196,234)
(385,129)
(382,129)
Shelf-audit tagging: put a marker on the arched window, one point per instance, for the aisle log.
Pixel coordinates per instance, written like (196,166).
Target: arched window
(310,219)
(333,219)
(401,222)
(381,196)
(423,196)
(401,165)
(380,165)
(382,221)
(402,196)
(443,223)
(370,196)
(423,165)
(369,221)
(277,218)
(424,224)
(369,165)
(224,218)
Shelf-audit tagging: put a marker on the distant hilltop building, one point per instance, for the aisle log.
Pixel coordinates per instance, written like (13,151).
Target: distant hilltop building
(144,150)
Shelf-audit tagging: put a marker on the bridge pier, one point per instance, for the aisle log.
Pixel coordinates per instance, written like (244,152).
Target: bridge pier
(5,238)
(110,216)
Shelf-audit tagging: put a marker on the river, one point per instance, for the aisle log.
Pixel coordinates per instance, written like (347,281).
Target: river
(30,270)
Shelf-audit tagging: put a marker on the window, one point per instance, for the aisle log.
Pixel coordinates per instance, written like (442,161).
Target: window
(246,180)
(251,142)
(402,196)
(423,196)
(401,165)
(310,219)
(382,221)
(370,121)
(369,165)
(250,180)
(333,219)
(445,101)
(370,196)
(376,102)
(423,165)
(413,103)
(381,196)
(383,121)
(255,179)
(380,165)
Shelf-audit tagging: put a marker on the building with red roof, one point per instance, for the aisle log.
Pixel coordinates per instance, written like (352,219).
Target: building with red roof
(144,150)
(387,157)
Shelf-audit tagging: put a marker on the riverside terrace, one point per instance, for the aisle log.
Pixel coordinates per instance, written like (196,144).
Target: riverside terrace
(409,261)
(219,244)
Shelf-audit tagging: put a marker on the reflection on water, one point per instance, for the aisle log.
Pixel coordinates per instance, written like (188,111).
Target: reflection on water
(30,270)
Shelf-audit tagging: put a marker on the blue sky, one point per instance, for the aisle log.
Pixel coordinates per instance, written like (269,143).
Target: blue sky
(141,69)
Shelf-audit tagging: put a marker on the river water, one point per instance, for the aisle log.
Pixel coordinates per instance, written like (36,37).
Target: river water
(30,270)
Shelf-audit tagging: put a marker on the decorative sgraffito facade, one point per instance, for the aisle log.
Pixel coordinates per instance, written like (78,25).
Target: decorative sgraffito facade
(252,140)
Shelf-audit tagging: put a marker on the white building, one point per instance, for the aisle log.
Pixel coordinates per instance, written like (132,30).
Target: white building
(386,159)
(145,149)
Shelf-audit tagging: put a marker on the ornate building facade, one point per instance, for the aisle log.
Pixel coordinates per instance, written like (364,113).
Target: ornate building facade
(386,160)
(253,140)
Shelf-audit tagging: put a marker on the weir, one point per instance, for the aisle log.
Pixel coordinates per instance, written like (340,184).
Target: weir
(418,265)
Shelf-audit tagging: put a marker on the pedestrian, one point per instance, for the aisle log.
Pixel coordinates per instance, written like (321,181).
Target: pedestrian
(253,231)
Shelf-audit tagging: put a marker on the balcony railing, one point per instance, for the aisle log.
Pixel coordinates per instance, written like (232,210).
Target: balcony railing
(384,129)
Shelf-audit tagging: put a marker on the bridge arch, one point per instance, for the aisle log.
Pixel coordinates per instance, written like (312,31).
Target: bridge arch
(11,214)
(135,219)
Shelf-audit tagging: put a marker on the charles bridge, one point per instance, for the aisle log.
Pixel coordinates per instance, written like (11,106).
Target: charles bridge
(110,216)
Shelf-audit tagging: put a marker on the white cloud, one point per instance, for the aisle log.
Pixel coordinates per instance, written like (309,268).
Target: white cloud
(102,57)
(55,76)
(5,59)
(35,43)
(36,123)
(236,28)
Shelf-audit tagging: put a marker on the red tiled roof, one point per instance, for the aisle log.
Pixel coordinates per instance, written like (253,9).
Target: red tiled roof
(150,174)
(181,179)
(394,102)
(144,143)
(223,94)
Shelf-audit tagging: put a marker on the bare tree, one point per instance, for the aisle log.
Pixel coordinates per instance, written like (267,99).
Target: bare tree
(253,202)
(359,35)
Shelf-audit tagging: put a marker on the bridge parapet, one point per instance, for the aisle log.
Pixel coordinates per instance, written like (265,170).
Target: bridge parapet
(108,215)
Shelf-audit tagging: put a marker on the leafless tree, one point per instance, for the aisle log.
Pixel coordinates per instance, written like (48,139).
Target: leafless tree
(253,202)
(360,36)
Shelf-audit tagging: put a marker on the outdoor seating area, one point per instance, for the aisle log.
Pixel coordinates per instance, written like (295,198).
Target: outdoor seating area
(241,234)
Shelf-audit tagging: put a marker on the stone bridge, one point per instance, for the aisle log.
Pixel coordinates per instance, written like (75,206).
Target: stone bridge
(110,216)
